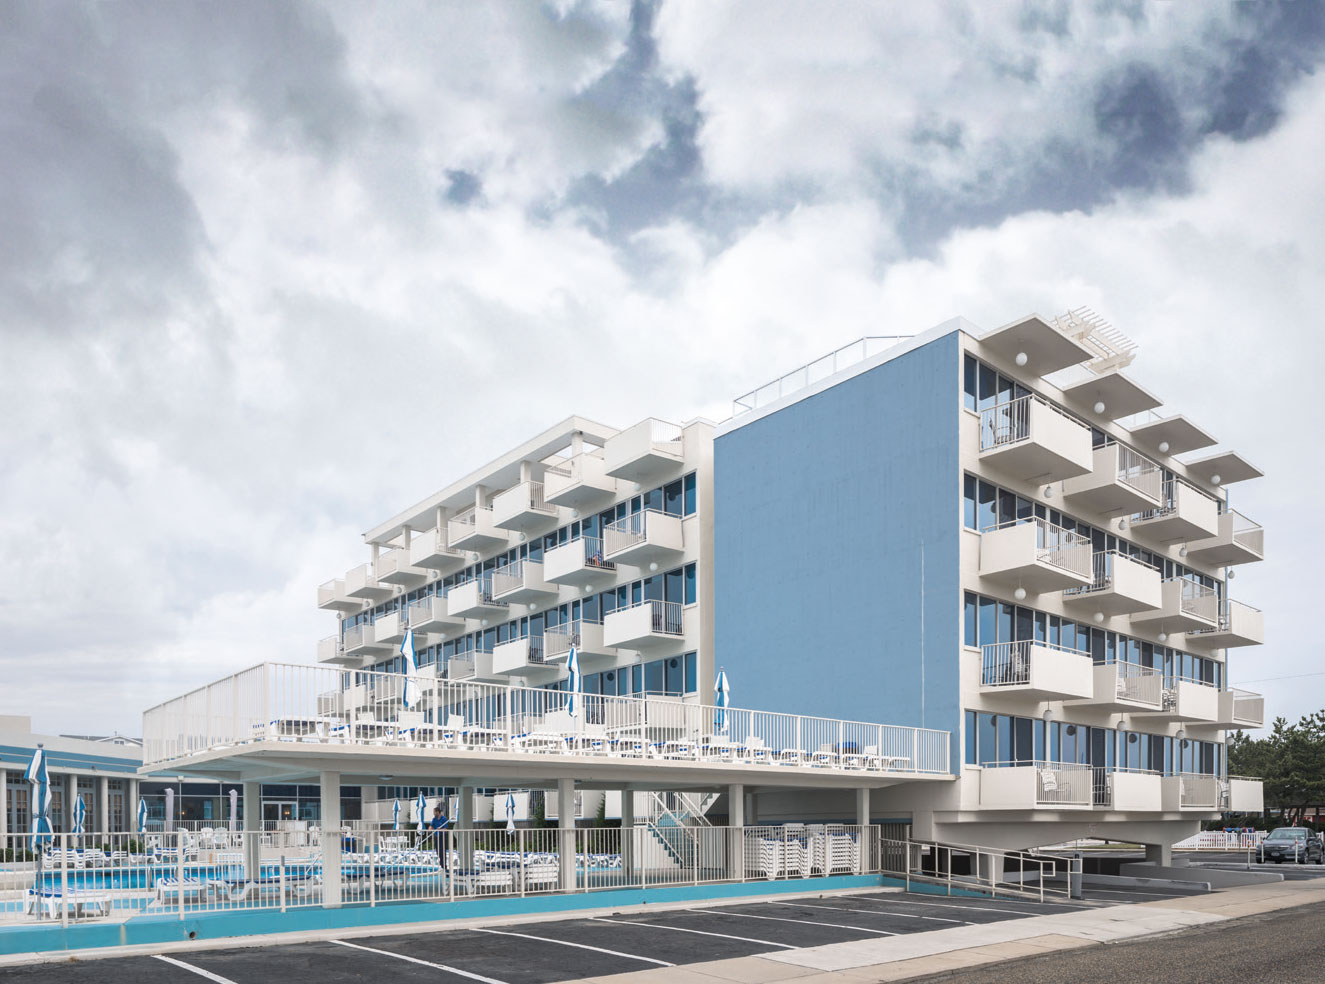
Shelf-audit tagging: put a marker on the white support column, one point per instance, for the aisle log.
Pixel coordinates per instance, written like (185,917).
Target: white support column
(566,832)
(4,804)
(736,836)
(252,807)
(374,551)
(863,836)
(1159,854)
(331,837)
(443,534)
(103,806)
(628,835)
(480,496)
(526,471)
(132,795)
(752,809)
(464,821)
(577,443)
(406,535)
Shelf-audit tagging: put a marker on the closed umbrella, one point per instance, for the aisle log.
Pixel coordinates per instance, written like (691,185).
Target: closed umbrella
(142,815)
(80,817)
(234,810)
(395,815)
(510,813)
(573,700)
(409,696)
(41,799)
(722,692)
(421,810)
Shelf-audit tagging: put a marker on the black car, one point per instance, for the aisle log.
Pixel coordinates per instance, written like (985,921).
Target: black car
(1291,844)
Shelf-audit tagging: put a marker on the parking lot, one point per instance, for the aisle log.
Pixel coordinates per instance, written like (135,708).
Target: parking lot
(566,949)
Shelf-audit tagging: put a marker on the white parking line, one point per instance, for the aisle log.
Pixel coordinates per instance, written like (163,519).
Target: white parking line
(799,922)
(195,970)
(990,908)
(877,912)
(697,932)
(578,946)
(416,960)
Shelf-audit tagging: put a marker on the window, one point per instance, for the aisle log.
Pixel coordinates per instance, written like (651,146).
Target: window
(692,673)
(970,371)
(653,677)
(690,591)
(970,638)
(690,496)
(674,675)
(672,498)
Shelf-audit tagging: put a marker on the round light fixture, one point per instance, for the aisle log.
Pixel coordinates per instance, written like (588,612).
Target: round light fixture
(522,538)
(1048,491)
(1122,524)
(653,565)
(1019,594)
(1215,479)
(1163,636)
(574,514)
(588,590)
(1163,447)
(533,607)
(1099,406)
(1099,617)
(485,622)
(1231,573)
(637,486)
(1048,714)
(1022,358)
(1182,550)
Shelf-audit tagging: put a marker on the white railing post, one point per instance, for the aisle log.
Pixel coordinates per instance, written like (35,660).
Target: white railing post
(61,838)
(181,837)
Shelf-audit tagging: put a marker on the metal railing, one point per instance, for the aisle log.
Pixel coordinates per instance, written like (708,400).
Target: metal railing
(1199,600)
(1198,790)
(628,531)
(1103,782)
(1010,423)
(1171,491)
(559,638)
(812,372)
(508,577)
(1248,706)
(1055,545)
(1142,684)
(1030,875)
(275,702)
(1247,533)
(1056,783)
(531,495)
(1139,472)
(483,579)
(1102,564)
(666,617)
(1008,664)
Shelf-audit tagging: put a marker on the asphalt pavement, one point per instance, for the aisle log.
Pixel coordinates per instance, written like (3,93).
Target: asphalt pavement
(1285,947)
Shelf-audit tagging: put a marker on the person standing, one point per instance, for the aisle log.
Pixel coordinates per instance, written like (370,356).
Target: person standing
(437,828)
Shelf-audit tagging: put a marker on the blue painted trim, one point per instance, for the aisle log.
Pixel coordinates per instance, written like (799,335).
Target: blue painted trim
(164,928)
(72,760)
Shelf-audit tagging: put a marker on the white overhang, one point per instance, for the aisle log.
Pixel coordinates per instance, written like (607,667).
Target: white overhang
(1228,465)
(1177,431)
(1121,396)
(1046,348)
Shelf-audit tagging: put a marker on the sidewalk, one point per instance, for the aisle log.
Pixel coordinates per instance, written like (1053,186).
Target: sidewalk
(898,958)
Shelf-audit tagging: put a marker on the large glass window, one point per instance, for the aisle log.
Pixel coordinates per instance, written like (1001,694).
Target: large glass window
(690,495)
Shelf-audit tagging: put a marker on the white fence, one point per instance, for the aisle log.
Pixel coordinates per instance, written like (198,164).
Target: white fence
(322,704)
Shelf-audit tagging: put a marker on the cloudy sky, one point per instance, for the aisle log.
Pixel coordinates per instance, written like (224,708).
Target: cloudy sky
(271,271)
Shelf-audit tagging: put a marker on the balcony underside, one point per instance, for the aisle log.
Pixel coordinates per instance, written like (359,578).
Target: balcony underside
(1032,461)
(1172,527)
(1114,601)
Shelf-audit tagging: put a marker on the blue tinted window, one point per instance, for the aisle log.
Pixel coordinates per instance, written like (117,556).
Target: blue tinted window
(692,673)
(968,502)
(653,677)
(970,371)
(674,671)
(690,593)
(689,494)
(970,738)
(971,637)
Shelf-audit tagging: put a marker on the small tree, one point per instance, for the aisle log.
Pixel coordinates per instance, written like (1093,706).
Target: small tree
(600,818)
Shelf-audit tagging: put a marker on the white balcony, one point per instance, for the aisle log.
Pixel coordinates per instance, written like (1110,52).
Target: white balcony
(332,597)
(525,658)
(647,625)
(644,537)
(1035,555)
(1185,606)
(362,583)
(1184,513)
(330,650)
(1126,687)
(1187,700)
(647,451)
(473,599)
(1035,669)
(474,529)
(1241,709)
(1036,785)
(1122,585)
(523,509)
(587,638)
(1246,795)
(1033,441)
(578,562)
(521,582)
(1238,541)
(394,567)
(432,614)
(429,550)
(390,629)
(1130,791)
(579,482)
(361,640)
(1121,482)
(1239,625)
(1193,791)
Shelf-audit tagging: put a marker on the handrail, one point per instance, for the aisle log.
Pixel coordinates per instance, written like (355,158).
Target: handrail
(1056,545)
(1139,472)
(1008,664)
(1010,422)
(812,372)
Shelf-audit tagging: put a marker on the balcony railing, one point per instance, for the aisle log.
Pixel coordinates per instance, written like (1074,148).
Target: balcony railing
(485,589)
(1200,600)
(506,578)
(1168,499)
(1248,705)
(1008,423)
(1008,664)
(1055,545)
(665,615)
(1102,564)
(558,639)
(1200,791)
(628,532)
(1139,472)
(272,702)
(1104,780)
(1056,783)
(1142,684)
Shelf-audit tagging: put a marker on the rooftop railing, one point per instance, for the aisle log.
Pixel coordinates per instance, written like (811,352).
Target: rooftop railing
(812,372)
(280,702)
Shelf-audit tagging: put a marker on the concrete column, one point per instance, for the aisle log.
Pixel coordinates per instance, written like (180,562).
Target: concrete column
(131,797)
(736,836)
(464,821)
(752,809)
(526,471)
(1160,854)
(628,835)
(566,832)
(443,535)
(252,807)
(480,496)
(991,868)
(405,536)
(4,804)
(866,835)
(374,551)
(577,443)
(331,834)
(103,806)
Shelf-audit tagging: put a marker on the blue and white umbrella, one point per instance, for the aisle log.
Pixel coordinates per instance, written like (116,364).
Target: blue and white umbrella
(420,809)
(510,813)
(722,693)
(142,816)
(573,700)
(41,799)
(395,815)
(80,816)
(410,695)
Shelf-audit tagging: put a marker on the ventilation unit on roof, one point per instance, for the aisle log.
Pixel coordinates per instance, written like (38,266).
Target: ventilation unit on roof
(1112,348)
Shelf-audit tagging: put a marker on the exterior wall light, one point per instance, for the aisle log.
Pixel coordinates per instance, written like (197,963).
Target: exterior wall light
(1019,594)
(1099,617)
(1163,636)
(1048,491)
(1099,406)
(1214,479)
(1022,358)
(1163,447)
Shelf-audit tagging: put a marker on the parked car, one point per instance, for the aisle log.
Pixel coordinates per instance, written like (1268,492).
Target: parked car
(1291,844)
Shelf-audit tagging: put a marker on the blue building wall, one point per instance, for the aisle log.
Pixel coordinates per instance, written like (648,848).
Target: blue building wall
(820,513)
